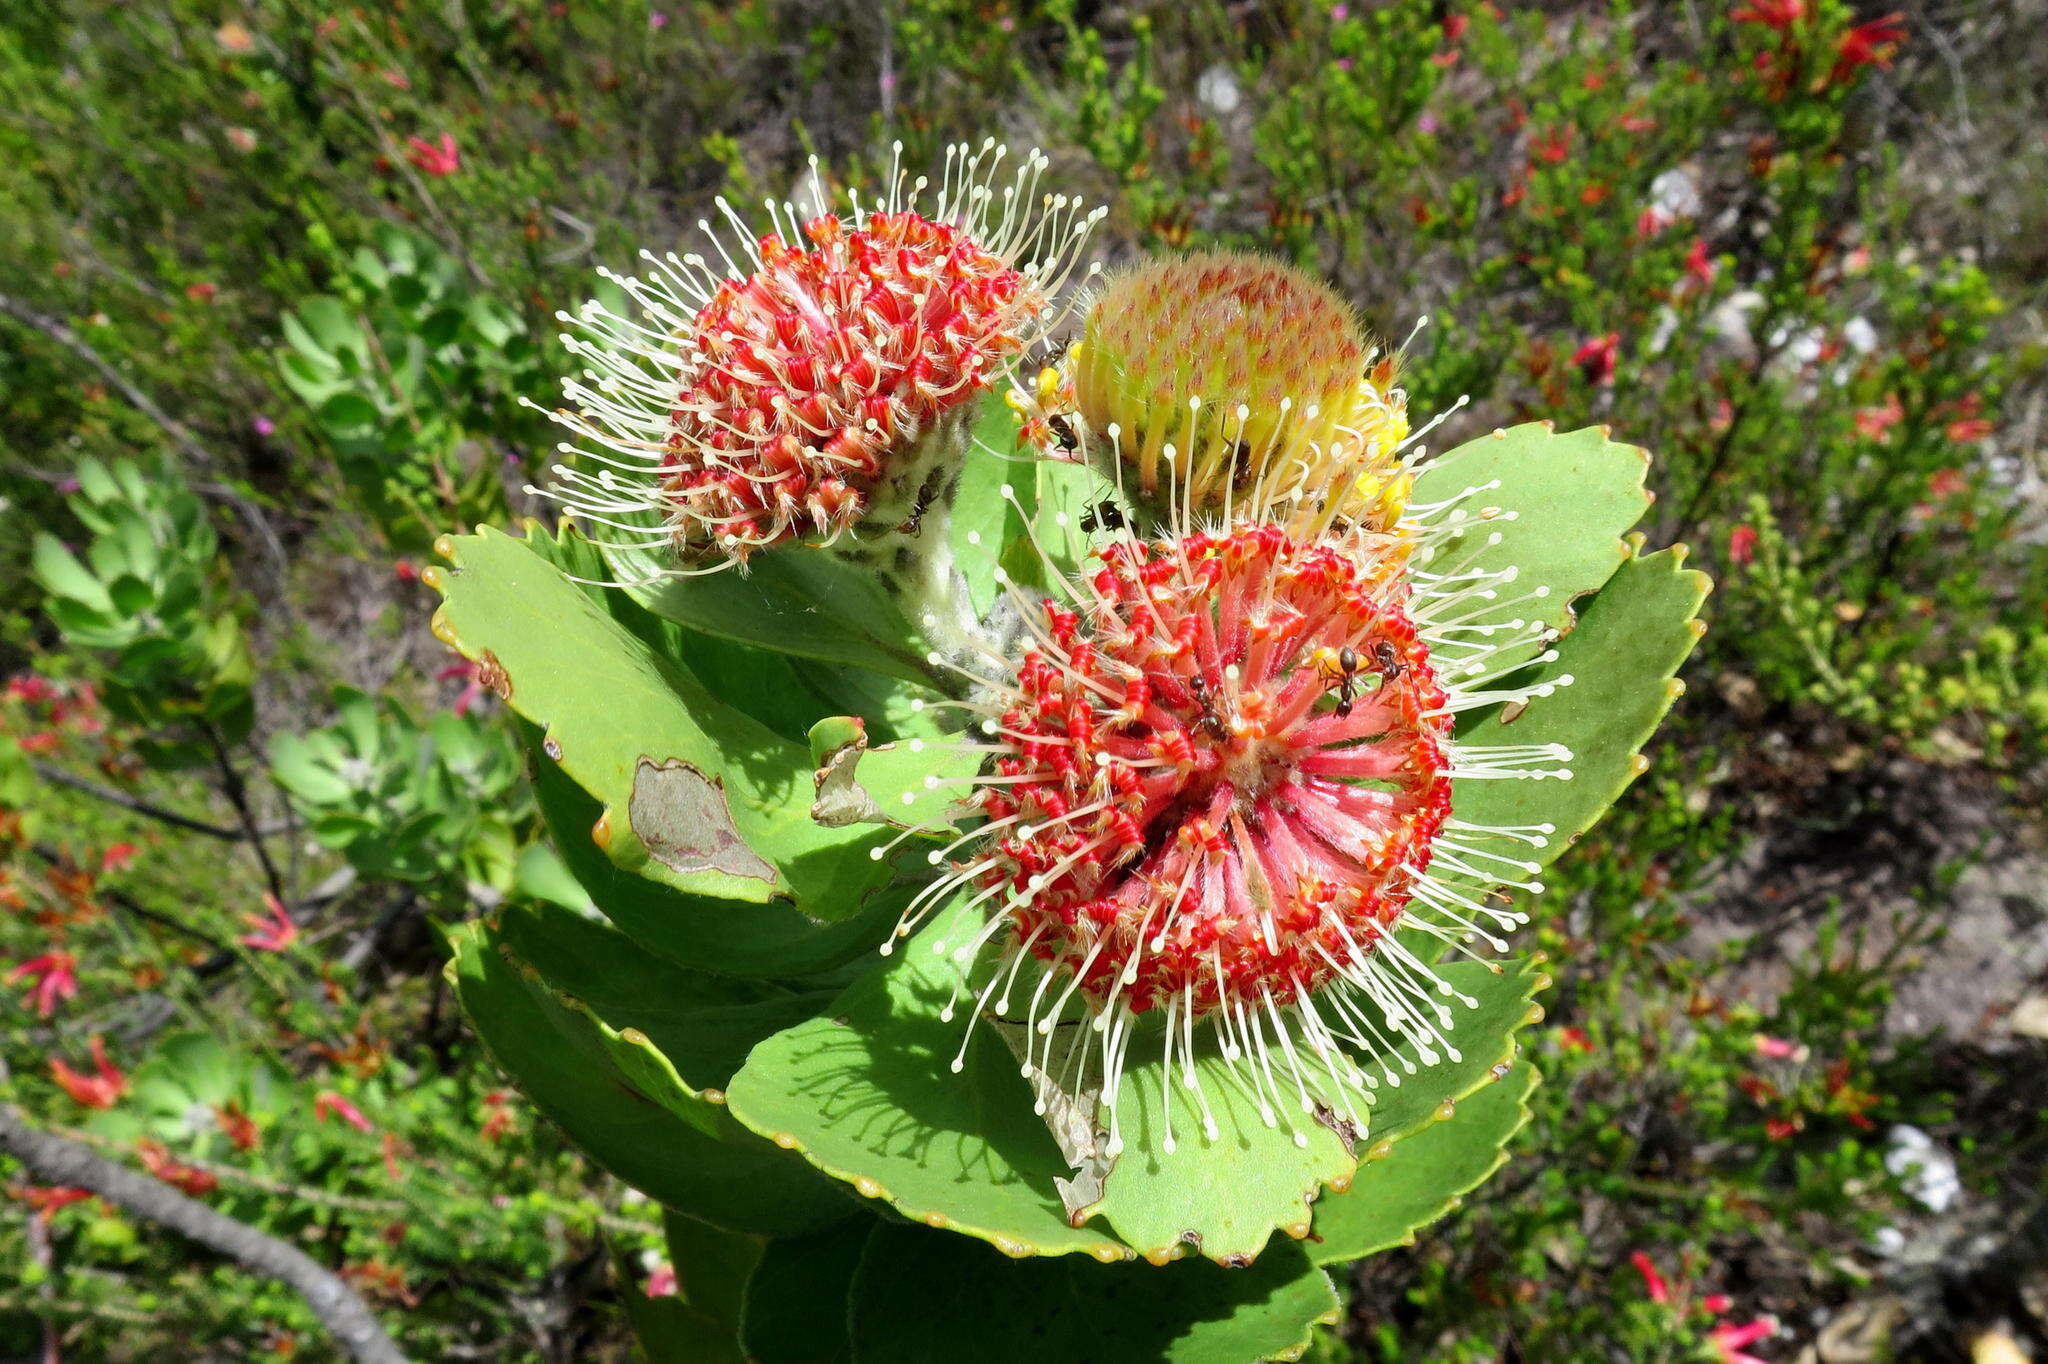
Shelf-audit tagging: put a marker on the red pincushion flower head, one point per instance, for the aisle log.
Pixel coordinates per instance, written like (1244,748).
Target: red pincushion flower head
(815,380)
(1219,776)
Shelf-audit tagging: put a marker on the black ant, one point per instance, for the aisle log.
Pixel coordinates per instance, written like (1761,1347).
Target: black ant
(1343,667)
(1063,434)
(1104,515)
(1340,667)
(927,493)
(1209,724)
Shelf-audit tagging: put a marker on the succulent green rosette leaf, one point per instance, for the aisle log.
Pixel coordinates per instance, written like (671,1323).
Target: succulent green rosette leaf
(696,793)
(1412,1182)
(1002,1312)
(610,1085)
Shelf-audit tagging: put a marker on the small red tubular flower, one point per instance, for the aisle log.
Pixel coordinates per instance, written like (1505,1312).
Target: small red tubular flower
(1870,44)
(1653,1282)
(1776,1048)
(1778,15)
(275,930)
(118,858)
(189,1179)
(1731,1342)
(1698,264)
(437,158)
(327,1103)
(99,1090)
(53,978)
(1218,778)
(816,378)
(47,1199)
(1741,544)
(1596,358)
(239,1128)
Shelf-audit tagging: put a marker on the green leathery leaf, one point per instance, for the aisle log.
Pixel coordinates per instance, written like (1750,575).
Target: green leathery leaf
(866,1092)
(786,693)
(901,784)
(984,521)
(699,1323)
(702,1025)
(617,1099)
(712,1266)
(795,599)
(731,937)
(796,1302)
(1573,495)
(1224,1198)
(671,1331)
(696,794)
(1623,659)
(994,1311)
(1423,1176)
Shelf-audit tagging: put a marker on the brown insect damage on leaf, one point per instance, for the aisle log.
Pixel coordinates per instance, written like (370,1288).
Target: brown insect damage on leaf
(491,673)
(682,818)
(1071,1120)
(840,799)
(1347,1131)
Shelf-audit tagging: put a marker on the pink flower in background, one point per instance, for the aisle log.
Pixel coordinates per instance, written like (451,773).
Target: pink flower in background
(435,158)
(1731,1340)
(47,1199)
(473,687)
(119,857)
(1653,1282)
(1777,1048)
(1596,358)
(1741,544)
(662,1282)
(1870,44)
(275,930)
(1698,264)
(328,1102)
(1946,483)
(99,1090)
(657,21)
(1574,1039)
(263,426)
(189,1179)
(1874,422)
(1772,14)
(54,977)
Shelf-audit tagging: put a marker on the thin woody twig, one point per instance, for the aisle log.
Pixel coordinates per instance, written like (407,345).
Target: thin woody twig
(51,772)
(57,1160)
